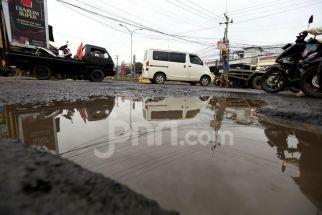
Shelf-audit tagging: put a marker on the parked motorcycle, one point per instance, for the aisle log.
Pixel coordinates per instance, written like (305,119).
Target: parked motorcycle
(64,49)
(287,71)
(311,80)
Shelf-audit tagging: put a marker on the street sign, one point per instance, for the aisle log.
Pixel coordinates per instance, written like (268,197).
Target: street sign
(222,46)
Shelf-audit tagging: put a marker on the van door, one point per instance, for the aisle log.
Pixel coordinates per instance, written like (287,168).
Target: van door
(195,68)
(178,67)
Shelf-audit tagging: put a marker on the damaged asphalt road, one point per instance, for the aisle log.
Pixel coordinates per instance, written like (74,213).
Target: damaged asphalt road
(284,105)
(47,184)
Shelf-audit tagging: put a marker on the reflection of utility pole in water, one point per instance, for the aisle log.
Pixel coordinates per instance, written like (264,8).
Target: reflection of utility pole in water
(218,119)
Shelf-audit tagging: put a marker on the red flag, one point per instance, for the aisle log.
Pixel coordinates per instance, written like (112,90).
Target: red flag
(80,52)
(83,114)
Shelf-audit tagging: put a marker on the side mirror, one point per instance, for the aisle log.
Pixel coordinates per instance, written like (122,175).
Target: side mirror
(311,20)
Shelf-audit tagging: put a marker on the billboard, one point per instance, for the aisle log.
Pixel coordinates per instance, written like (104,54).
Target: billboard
(267,60)
(27,23)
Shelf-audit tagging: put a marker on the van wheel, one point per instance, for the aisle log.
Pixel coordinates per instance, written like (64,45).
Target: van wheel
(159,78)
(152,81)
(42,72)
(205,81)
(97,75)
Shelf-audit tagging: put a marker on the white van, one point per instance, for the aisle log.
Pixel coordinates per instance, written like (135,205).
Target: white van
(161,109)
(160,66)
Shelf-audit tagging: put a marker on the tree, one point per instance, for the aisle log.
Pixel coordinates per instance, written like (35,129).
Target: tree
(138,67)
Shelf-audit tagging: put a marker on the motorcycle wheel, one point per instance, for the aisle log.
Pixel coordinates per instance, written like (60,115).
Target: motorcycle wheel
(274,81)
(309,83)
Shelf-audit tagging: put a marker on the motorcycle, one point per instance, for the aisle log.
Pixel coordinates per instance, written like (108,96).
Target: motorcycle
(66,53)
(287,71)
(311,80)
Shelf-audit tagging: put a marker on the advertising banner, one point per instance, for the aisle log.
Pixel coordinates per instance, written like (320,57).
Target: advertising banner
(27,22)
(38,131)
(222,46)
(267,60)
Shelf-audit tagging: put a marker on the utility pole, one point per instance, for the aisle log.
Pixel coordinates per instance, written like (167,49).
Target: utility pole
(225,53)
(117,65)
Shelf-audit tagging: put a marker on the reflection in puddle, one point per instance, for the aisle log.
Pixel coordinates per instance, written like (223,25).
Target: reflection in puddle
(175,151)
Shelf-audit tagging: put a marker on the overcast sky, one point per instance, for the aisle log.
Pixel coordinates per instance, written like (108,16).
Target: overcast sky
(256,22)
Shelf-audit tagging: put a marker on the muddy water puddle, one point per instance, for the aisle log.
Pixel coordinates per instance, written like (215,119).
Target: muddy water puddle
(203,155)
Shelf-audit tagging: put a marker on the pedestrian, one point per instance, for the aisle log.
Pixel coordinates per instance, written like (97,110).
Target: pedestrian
(224,80)
(314,31)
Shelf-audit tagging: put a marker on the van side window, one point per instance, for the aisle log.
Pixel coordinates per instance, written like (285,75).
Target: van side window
(177,58)
(195,60)
(160,56)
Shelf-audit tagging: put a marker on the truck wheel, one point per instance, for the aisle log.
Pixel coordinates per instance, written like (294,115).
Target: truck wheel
(257,83)
(205,81)
(42,72)
(97,75)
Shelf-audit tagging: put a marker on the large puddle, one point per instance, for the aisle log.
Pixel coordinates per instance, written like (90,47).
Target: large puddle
(204,155)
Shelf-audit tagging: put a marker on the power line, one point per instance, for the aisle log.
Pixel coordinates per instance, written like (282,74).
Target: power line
(130,23)
(272,8)
(164,12)
(187,9)
(242,10)
(273,14)
(129,13)
(101,9)
(218,17)
(197,10)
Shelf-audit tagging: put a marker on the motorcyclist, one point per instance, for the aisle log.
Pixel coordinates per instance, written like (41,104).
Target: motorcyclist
(315,31)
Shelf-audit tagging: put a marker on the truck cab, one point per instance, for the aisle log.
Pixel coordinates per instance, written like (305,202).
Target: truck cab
(98,56)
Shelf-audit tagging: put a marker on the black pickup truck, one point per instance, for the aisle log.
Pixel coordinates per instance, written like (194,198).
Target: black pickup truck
(95,65)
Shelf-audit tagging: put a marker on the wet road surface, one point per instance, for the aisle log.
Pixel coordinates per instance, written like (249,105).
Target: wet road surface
(196,155)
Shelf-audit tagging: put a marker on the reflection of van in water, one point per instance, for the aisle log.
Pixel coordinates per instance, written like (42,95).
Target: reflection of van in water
(160,66)
(173,108)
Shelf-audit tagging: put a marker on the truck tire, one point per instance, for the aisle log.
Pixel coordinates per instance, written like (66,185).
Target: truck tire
(257,83)
(96,75)
(42,72)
